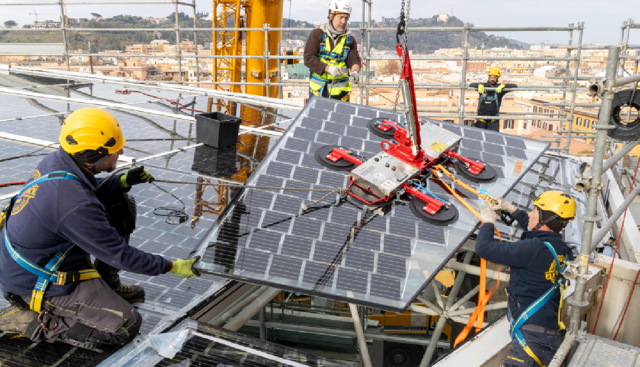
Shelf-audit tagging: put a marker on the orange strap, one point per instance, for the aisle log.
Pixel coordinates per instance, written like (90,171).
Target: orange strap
(483,296)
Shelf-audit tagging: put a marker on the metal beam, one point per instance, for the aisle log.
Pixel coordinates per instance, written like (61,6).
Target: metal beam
(616,157)
(589,216)
(246,314)
(124,107)
(613,218)
(362,343)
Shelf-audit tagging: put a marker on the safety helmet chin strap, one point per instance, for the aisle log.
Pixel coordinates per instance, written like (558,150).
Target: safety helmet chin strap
(93,167)
(548,220)
(541,222)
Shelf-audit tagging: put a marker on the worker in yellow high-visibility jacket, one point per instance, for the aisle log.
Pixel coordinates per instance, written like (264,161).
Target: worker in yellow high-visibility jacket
(331,53)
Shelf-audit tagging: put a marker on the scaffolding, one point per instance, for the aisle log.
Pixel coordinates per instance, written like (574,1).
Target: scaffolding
(226,59)
(447,309)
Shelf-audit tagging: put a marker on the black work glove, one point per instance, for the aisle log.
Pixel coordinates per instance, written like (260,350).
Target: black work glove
(135,176)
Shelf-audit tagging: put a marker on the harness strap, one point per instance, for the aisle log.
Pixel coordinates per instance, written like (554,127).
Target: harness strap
(537,305)
(491,98)
(48,274)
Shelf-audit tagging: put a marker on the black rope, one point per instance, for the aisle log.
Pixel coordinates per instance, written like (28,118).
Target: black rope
(30,154)
(174,215)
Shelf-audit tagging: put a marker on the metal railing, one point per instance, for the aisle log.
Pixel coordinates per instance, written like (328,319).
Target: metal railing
(566,107)
(569,83)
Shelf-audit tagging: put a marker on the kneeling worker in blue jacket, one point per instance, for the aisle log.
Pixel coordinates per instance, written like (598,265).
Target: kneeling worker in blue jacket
(52,227)
(536,287)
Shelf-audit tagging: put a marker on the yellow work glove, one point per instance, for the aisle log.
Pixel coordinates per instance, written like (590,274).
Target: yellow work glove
(184,268)
(487,215)
(503,204)
(500,88)
(135,176)
(481,89)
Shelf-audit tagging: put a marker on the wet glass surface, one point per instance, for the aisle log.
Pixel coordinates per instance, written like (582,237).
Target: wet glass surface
(342,250)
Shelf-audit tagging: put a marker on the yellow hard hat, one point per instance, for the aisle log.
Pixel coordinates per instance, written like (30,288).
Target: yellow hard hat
(557,202)
(494,71)
(91,129)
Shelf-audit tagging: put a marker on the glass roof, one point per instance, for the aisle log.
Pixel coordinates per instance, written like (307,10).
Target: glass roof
(340,249)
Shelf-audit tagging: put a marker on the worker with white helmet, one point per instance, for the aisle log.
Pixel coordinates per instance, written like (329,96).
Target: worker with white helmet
(331,53)
(489,101)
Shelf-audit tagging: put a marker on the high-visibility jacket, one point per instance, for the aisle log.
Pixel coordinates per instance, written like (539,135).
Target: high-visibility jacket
(340,87)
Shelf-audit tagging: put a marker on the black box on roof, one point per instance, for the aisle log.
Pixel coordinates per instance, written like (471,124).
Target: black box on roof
(217,129)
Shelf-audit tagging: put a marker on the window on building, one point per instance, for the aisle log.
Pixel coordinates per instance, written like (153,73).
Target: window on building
(579,121)
(550,127)
(448,121)
(468,122)
(587,123)
(546,110)
(535,108)
(508,124)
(544,126)
(524,126)
(539,123)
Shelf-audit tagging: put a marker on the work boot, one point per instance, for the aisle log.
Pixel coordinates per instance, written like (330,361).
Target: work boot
(14,320)
(130,293)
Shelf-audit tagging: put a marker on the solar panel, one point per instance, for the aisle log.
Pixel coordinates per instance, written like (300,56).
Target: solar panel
(341,249)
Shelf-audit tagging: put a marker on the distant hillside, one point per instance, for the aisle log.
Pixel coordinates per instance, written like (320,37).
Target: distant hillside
(100,41)
(419,42)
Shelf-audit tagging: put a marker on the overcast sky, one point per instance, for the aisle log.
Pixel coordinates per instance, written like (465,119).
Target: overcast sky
(602,18)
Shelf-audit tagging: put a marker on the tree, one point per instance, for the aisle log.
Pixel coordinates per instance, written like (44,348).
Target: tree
(391,68)
(96,15)
(181,16)
(10,24)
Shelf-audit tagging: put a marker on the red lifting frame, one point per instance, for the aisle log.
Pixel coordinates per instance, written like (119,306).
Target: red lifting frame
(338,153)
(474,167)
(407,74)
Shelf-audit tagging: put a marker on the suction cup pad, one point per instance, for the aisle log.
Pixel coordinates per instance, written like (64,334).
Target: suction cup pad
(372,125)
(341,165)
(361,193)
(488,174)
(443,217)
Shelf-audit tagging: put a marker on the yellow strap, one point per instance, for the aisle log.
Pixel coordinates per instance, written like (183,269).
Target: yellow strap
(560,323)
(38,296)
(36,301)
(532,355)
(11,313)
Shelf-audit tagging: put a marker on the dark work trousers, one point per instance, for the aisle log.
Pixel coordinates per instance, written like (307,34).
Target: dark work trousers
(543,342)
(493,126)
(97,312)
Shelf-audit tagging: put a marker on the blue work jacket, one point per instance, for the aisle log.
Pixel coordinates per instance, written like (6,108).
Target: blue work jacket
(533,268)
(55,213)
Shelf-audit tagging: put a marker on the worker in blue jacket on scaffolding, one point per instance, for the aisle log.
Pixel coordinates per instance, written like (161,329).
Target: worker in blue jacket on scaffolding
(61,217)
(536,286)
(489,101)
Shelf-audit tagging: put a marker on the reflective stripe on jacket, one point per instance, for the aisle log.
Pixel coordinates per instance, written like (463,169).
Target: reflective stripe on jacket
(332,57)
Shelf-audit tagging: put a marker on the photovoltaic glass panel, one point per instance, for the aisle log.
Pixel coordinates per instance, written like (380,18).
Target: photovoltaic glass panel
(343,250)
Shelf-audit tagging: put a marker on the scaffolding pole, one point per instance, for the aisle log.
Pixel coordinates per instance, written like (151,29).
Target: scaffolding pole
(577,300)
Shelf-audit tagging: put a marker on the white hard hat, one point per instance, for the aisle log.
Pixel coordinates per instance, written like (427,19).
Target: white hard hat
(340,6)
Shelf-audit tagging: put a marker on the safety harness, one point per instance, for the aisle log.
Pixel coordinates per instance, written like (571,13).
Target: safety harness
(48,274)
(338,87)
(485,100)
(538,304)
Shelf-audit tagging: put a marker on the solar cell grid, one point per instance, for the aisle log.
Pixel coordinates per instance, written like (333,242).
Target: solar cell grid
(343,250)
